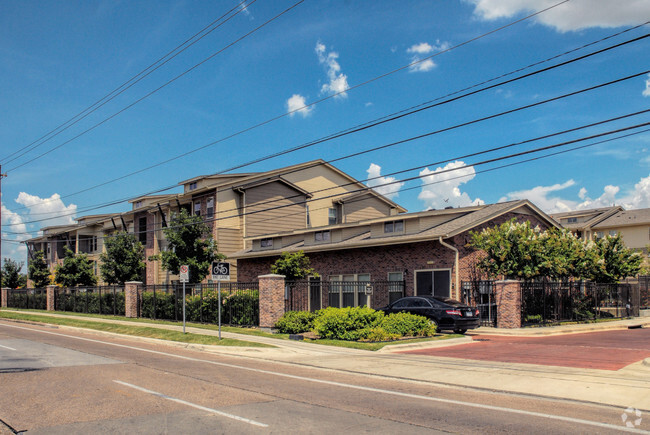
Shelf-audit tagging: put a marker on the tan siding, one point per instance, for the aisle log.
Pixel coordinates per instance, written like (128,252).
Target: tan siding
(227,214)
(369,208)
(433,221)
(229,240)
(272,208)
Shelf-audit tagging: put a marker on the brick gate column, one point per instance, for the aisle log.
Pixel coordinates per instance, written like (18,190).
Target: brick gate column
(50,289)
(4,294)
(271,299)
(508,297)
(131,289)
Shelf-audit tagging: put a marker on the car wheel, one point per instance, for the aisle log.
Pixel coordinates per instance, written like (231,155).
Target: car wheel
(459,331)
(434,324)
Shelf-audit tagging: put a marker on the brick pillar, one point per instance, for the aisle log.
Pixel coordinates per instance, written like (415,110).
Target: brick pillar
(271,299)
(131,289)
(508,298)
(50,297)
(4,294)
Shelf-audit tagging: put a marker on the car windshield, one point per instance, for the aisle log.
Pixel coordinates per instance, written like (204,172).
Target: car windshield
(448,301)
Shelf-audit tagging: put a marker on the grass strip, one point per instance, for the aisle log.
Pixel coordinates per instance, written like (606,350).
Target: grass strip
(139,331)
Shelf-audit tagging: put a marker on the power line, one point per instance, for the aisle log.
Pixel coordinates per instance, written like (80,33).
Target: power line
(420,176)
(397,115)
(311,104)
(130,82)
(456,126)
(159,88)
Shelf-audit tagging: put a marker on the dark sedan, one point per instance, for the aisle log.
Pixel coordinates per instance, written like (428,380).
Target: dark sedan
(447,313)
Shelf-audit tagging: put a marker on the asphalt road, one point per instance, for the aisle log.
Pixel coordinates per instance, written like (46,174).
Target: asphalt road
(58,381)
(605,350)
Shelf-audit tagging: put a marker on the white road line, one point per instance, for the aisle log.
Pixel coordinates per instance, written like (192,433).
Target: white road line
(355,387)
(7,347)
(193,405)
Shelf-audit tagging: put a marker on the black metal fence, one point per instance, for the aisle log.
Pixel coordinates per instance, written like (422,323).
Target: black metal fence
(549,302)
(314,294)
(481,295)
(240,303)
(92,300)
(35,299)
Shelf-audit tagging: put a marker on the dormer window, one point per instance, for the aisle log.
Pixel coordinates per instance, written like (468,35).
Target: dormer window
(192,186)
(394,227)
(572,220)
(266,243)
(322,236)
(137,204)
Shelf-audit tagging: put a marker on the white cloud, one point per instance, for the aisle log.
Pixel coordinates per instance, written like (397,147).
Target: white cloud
(387,186)
(546,198)
(52,209)
(440,188)
(418,64)
(338,82)
(646,91)
(297,105)
(570,16)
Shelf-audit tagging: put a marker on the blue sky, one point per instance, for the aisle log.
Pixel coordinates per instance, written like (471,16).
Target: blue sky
(58,58)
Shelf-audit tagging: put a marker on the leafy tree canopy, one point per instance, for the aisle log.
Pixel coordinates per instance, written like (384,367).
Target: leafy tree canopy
(189,242)
(10,275)
(75,270)
(38,270)
(123,260)
(293,266)
(516,250)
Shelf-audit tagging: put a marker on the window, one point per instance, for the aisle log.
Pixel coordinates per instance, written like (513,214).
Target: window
(394,227)
(93,244)
(192,186)
(210,208)
(197,208)
(572,220)
(142,230)
(308,217)
(322,236)
(349,290)
(435,282)
(137,204)
(266,243)
(613,233)
(331,216)
(599,235)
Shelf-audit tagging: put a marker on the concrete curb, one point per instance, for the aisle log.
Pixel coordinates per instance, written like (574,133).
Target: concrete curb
(564,329)
(425,345)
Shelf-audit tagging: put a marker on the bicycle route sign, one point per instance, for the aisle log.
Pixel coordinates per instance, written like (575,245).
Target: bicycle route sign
(220,271)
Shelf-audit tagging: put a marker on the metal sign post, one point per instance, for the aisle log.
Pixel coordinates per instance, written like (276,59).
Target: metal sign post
(185,277)
(220,272)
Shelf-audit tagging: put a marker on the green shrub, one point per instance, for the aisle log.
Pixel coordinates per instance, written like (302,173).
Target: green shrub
(408,325)
(295,322)
(242,308)
(351,323)
(380,334)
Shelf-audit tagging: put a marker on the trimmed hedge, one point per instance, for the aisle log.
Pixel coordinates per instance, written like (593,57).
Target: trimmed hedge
(356,323)
(295,322)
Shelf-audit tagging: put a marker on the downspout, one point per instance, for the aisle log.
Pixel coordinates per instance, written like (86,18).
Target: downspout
(447,245)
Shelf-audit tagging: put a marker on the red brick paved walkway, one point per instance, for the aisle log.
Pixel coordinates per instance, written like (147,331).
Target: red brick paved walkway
(607,350)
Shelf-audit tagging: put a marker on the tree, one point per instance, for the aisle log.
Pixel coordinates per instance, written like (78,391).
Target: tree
(75,270)
(190,242)
(11,276)
(123,260)
(293,266)
(38,270)
(512,250)
(615,261)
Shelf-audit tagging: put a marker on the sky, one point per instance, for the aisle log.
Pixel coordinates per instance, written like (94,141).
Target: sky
(275,75)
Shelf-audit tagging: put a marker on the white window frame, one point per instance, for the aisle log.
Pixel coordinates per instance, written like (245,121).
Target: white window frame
(389,227)
(194,204)
(322,234)
(192,186)
(266,243)
(209,204)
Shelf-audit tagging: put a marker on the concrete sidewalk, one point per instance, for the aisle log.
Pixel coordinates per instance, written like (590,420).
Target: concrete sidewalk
(623,388)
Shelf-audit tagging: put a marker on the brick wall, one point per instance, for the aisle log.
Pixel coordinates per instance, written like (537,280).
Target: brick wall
(131,290)
(508,298)
(4,297)
(271,299)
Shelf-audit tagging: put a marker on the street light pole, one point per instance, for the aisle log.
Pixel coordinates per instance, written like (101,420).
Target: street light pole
(1,177)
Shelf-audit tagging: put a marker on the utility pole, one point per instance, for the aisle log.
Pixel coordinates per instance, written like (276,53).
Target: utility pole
(1,177)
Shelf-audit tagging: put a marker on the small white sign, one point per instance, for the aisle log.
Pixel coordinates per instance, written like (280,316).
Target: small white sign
(220,271)
(185,273)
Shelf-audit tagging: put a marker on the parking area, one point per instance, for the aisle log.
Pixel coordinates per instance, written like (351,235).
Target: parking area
(607,350)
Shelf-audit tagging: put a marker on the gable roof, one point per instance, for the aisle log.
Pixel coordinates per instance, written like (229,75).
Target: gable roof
(462,219)
(626,218)
(597,215)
